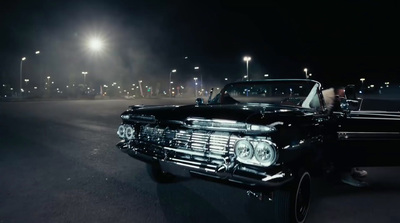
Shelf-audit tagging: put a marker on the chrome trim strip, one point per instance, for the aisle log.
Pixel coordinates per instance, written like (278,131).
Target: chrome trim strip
(225,125)
(368,135)
(372,111)
(384,114)
(192,162)
(377,118)
(194,153)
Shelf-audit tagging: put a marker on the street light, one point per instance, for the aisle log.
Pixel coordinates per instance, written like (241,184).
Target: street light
(20,74)
(96,44)
(201,78)
(195,83)
(362,83)
(247,59)
(40,69)
(84,77)
(266,75)
(170,74)
(305,70)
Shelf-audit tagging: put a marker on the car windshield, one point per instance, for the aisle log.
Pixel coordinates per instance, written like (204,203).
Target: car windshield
(301,93)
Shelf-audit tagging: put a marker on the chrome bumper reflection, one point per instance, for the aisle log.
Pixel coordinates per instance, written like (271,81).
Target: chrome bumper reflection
(222,168)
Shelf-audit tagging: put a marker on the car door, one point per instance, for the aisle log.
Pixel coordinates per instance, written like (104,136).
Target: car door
(368,138)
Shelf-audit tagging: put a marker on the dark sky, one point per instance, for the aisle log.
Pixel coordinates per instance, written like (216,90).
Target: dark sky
(338,41)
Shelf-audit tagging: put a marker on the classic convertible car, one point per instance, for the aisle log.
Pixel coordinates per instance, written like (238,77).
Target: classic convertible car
(268,137)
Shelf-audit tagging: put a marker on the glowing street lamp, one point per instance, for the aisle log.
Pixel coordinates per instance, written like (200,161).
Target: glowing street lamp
(305,70)
(37,52)
(201,78)
(20,73)
(170,82)
(266,75)
(247,59)
(362,83)
(195,83)
(84,77)
(96,44)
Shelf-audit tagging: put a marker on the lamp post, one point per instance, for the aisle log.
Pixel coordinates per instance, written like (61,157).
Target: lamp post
(20,74)
(170,81)
(362,83)
(195,85)
(247,59)
(305,70)
(201,78)
(26,83)
(40,69)
(84,77)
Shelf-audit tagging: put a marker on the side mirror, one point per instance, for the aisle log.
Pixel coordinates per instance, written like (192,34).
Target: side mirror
(199,101)
(348,105)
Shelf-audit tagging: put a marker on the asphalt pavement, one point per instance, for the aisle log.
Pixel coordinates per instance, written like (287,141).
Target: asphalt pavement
(59,163)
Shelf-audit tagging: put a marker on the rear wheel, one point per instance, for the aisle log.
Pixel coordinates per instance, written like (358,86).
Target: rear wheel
(158,175)
(292,204)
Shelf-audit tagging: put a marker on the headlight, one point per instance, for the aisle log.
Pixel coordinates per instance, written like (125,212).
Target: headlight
(121,131)
(265,154)
(129,133)
(244,149)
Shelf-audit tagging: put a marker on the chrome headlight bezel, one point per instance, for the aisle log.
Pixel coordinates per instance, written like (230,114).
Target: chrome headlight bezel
(254,157)
(129,132)
(265,153)
(243,149)
(121,131)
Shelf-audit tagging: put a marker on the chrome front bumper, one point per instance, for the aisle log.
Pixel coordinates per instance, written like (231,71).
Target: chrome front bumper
(225,170)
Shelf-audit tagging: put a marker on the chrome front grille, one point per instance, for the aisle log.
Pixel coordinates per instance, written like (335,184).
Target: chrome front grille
(219,143)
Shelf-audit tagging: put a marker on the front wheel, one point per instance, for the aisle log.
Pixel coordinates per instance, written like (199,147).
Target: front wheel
(292,204)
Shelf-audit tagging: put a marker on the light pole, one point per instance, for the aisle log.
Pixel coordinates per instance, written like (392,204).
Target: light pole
(26,83)
(247,59)
(305,70)
(195,85)
(84,77)
(20,74)
(170,81)
(201,78)
(362,83)
(40,70)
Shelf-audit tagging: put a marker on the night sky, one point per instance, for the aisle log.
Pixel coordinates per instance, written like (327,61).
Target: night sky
(338,41)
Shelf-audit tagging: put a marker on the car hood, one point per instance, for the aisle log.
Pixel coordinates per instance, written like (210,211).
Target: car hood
(249,113)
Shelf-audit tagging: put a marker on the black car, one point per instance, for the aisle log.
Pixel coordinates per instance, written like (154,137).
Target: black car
(268,137)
